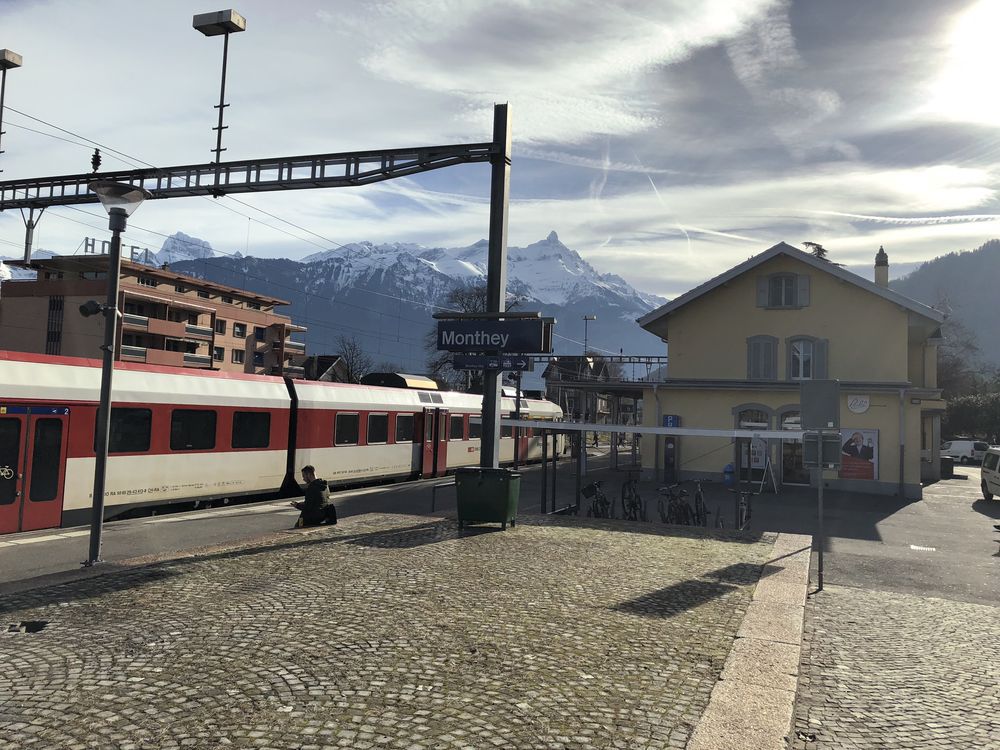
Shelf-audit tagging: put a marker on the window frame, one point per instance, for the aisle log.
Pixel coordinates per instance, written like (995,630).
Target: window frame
(220,326)
(243,414)
(413,428)
(237,327)
(239,357)
(452,420)
(804,359)
(357,427)
(218,354)
(113,446)
(368,428)
(199,431)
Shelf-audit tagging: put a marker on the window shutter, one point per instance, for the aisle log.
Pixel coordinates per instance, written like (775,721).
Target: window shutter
(820,358)
(762,291)
(788,359)
(769,352)
(752,358)
(802,296)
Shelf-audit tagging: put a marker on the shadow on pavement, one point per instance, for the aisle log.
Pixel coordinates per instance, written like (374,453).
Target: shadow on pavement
(112,581)
(989,508)
(680,597)
(89,588)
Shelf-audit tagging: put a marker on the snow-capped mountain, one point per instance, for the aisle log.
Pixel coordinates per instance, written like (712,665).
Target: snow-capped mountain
(384,295)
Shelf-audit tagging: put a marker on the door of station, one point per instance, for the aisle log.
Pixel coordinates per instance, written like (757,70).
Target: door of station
(32,467)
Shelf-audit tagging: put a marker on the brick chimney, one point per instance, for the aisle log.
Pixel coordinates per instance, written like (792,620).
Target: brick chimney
(882,268)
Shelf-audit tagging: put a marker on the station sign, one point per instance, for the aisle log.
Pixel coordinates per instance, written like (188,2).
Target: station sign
(519,336)
(517,362)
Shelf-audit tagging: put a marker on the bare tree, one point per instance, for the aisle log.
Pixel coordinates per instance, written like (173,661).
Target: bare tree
(470,298)
(356,360)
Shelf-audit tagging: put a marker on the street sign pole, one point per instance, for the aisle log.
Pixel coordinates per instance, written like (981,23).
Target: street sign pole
(496,277)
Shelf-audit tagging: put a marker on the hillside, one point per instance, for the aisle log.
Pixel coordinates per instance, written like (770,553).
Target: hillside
(964,284)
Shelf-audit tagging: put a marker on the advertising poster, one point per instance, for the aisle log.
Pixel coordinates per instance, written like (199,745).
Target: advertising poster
(858,454)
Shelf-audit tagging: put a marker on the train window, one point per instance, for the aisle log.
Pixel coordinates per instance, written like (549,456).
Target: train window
(10,456)
(457,427)
(404,428)
(475,428)
(436,398)
(45,461)
(346,432)
(192,430)
(129,432)
(251,429)
(506,431)
(425,398)
(378,428)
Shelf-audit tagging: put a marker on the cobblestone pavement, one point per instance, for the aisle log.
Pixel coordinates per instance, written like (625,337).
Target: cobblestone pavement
(893,671)
(388,631)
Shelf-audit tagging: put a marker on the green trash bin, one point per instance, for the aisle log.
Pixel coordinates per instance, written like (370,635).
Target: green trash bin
(487,495)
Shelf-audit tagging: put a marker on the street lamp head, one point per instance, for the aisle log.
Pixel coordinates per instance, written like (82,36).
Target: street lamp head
(119,195)
(219,22)
(9,59)
(590,317)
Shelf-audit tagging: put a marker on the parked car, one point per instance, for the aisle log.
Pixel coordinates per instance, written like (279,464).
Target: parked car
(991,473)
(965,451)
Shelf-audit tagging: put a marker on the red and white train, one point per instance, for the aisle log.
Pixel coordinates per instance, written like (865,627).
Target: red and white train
(179,436)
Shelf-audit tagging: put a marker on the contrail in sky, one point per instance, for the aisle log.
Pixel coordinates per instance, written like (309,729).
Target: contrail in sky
(968,218)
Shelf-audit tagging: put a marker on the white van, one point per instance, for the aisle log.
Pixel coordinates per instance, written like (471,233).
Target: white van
(965,451)
(991,473)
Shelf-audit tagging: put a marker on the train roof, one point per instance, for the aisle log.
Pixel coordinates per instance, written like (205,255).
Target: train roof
(43,377)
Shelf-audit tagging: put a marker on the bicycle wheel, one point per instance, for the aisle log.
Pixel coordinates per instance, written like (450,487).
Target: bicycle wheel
(700,512)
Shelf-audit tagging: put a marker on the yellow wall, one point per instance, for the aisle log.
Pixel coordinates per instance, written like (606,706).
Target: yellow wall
(867,334)
(713,409)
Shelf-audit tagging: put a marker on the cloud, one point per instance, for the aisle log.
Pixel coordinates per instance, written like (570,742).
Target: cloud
(570,69)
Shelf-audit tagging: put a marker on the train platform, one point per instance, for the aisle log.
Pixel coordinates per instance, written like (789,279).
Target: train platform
(399,630)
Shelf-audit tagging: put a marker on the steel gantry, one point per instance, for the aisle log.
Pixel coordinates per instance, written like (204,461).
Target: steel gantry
(250,175)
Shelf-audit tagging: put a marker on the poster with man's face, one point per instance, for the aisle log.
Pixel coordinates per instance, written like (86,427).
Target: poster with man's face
(858,454)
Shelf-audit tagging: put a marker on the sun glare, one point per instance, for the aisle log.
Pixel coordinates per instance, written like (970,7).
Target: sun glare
(966,88)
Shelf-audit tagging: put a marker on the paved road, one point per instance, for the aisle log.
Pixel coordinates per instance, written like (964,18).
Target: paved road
(901,648)
(388,631)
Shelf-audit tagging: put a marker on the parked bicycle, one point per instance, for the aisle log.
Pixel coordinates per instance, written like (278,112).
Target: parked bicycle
(673,506)
(699,512)
(744,507)
(600,506)
(632,507)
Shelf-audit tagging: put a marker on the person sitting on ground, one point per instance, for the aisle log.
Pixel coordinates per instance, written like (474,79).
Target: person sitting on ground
(316,506)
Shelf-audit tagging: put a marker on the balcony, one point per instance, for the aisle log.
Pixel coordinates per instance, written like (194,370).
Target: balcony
(133,353)
(295,347)
(131,320)
(197,360)
(206,332)
(295,372)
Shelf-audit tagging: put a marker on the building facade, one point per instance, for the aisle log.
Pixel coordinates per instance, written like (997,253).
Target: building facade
(742,343)
(167,318)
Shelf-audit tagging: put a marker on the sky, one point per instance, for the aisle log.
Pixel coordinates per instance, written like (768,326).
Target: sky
(663,140)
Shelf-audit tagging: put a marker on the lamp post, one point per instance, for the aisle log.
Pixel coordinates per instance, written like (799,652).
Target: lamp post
(120,200)
(223,22)
(8,59)
(586,320)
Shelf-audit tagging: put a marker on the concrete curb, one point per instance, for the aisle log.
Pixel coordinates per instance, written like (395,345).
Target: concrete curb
(751,706)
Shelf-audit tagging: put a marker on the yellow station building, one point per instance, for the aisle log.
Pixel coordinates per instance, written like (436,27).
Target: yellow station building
(740,345)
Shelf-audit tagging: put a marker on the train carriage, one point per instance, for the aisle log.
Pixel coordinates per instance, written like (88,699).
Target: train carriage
(179,436)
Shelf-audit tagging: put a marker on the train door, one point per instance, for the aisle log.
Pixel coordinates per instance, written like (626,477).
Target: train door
(427,444)
(441,445)
(32,467)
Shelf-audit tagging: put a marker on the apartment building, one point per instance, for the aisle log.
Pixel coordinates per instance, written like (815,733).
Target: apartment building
(168,318)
